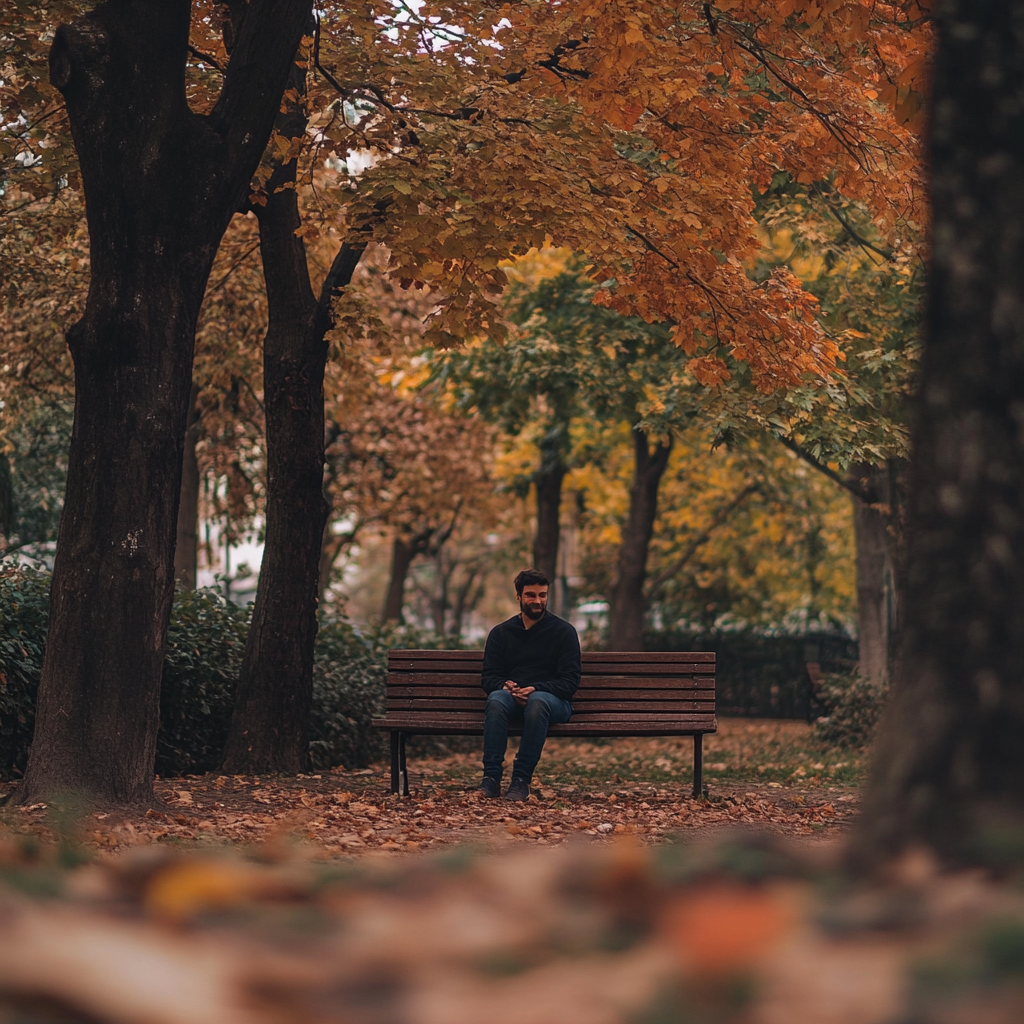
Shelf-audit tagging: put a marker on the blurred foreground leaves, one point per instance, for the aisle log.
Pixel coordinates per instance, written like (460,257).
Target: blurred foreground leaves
(748,930)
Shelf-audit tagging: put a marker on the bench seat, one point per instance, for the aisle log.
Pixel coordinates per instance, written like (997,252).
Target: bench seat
(620,694)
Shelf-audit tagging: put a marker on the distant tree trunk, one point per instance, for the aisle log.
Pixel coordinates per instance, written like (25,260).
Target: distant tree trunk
(467,597)
(548,484)
(949,767)
(439,599)
(269,729)
(872,592)
(330,549)
(161,184)
(402,554)
(627,605)
(876,525)
(186,547)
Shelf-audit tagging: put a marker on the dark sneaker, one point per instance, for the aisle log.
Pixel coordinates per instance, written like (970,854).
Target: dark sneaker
(490,787)
(518,789)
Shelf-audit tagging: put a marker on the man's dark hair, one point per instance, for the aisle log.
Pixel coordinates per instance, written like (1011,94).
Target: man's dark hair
(530,577)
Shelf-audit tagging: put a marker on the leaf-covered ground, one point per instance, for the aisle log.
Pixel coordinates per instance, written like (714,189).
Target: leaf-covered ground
(746,930)
(205,911)
(766,773)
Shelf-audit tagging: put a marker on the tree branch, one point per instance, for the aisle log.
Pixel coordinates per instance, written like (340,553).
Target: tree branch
(338,277)
(857,492)
(261,59)
(206,58)
(855,235)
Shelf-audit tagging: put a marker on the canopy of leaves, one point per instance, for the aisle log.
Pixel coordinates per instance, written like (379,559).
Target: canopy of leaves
(461,134)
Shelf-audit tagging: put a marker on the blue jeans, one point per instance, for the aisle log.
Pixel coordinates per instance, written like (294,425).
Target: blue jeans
(542,709)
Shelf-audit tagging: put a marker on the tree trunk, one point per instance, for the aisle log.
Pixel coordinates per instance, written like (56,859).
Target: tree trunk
(949,768)
(186,547)
(439,600)
(161,184)
(402,554)
(330,548)
(269,730)
(875,524)
(627,604)
(548,483)
(872,592)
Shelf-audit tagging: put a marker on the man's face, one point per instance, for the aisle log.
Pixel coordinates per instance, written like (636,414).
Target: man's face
(533,600)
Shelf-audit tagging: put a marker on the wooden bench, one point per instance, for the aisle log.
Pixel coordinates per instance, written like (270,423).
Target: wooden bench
(620,694)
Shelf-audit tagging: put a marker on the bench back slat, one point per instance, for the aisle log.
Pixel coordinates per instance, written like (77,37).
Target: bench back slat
(409,682)
(415,666)
(475,694)
(583,707)
(619,657)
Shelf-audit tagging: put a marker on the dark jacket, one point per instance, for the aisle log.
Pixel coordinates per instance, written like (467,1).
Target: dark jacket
(545,656)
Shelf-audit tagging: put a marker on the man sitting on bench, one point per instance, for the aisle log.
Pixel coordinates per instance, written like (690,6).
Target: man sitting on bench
(531,671)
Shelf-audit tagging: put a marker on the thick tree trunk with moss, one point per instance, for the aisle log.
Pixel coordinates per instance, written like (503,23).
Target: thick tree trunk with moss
(949,769)
(627,605)
(161,184)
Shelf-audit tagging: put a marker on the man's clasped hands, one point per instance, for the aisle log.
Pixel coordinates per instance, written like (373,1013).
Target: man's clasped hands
(519,693)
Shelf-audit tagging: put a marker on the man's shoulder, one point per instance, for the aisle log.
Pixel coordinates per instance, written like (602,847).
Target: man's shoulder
(506,626)
(556,622)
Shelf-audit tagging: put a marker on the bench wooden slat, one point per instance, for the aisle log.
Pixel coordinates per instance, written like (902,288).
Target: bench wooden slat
(648,657)
(417,723)
(411,720)
(416,666)
(635,684)
(584,693)
(579,706)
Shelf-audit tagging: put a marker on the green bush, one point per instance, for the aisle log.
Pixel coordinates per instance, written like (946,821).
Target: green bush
(24,612)
(205,643)
(349,677)
(853,706)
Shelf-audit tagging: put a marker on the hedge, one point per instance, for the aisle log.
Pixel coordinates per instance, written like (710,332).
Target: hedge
(760,676)
(205,642)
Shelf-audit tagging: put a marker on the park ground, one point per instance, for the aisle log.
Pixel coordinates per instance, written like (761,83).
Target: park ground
(770,774)
(308,899)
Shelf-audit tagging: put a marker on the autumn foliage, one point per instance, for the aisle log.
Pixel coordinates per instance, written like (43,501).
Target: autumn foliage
(462,134)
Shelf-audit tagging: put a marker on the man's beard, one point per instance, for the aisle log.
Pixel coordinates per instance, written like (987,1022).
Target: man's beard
(530,613)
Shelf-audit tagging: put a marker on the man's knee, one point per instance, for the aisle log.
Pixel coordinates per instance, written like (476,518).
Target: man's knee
(500,702)
(537,706)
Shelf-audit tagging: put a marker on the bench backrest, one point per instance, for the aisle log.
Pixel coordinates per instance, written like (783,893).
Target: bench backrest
(616,688)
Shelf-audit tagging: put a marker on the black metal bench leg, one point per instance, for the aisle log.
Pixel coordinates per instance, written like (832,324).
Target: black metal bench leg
(395,770)
(698,764)
(403,770)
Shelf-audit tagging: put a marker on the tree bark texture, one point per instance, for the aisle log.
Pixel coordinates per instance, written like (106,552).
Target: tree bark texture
(161,185)
(878,532)
(873,593)
(269,729)
(627,604)
(548,484)
(949,768)
(186,547)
